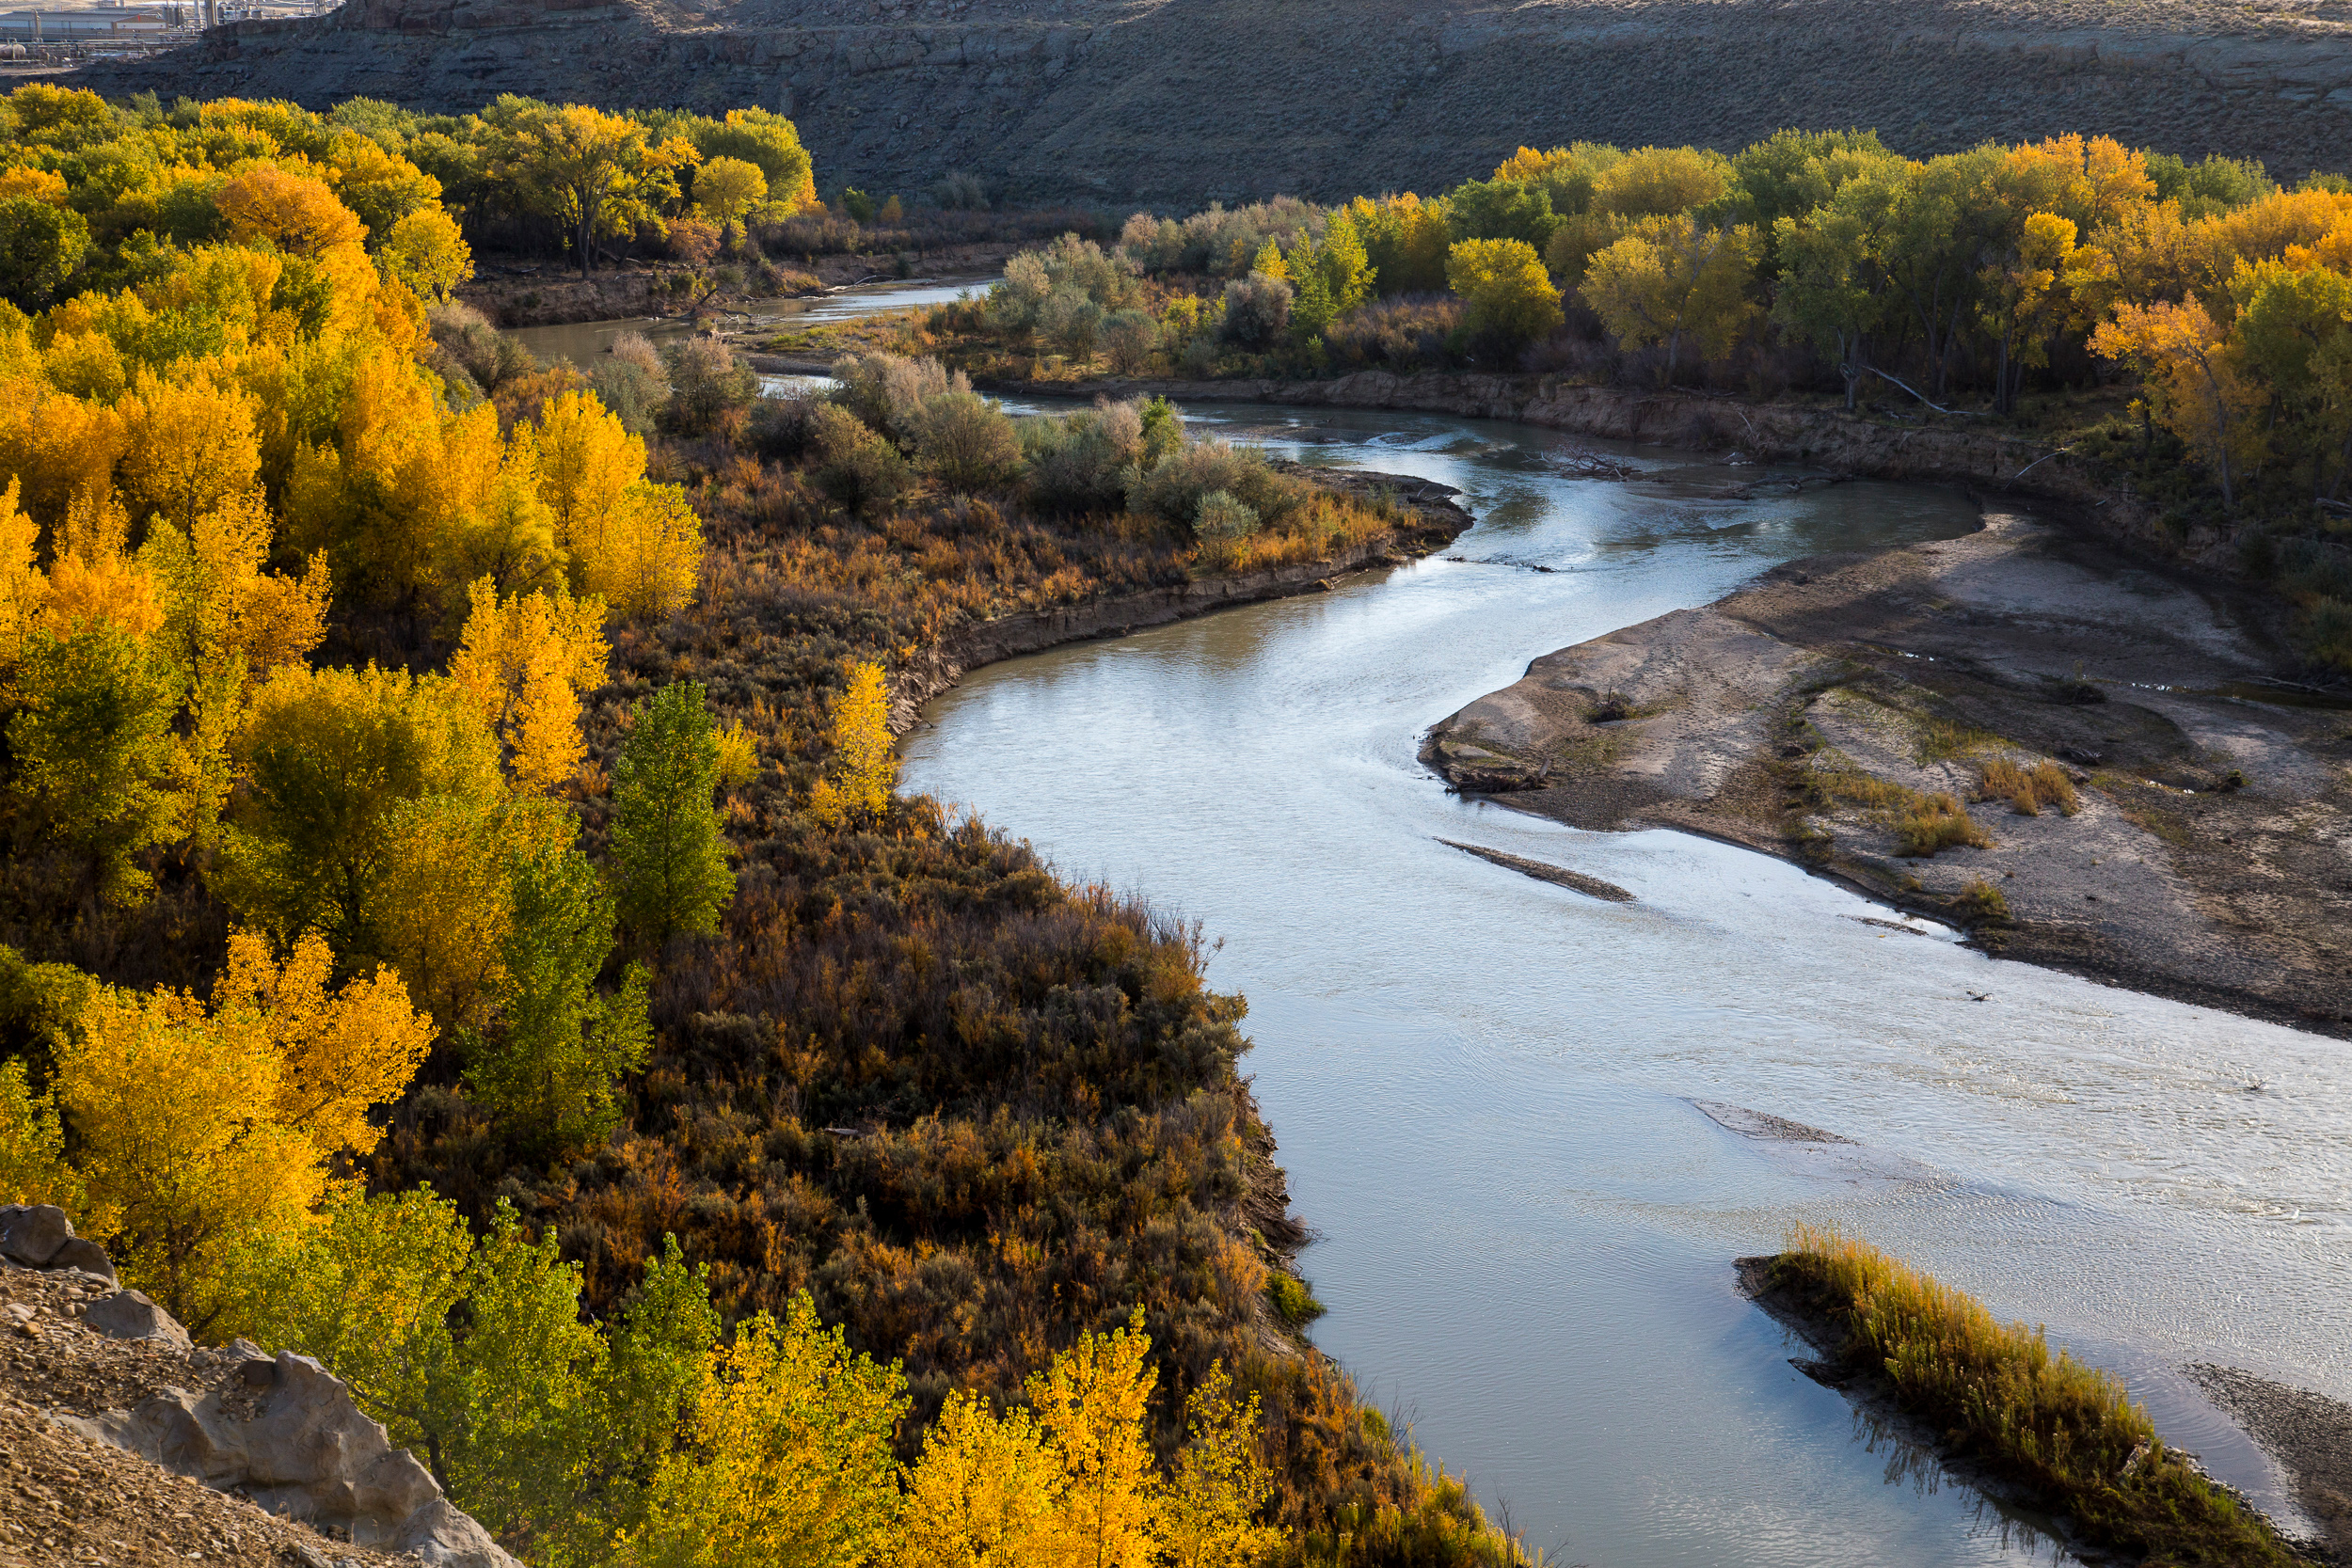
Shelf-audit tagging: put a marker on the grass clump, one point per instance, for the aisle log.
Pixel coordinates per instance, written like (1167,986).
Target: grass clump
(2001,1397)
(2027,790)
(1293,1298)
(1981,904)
(1940,740)
(1933,822)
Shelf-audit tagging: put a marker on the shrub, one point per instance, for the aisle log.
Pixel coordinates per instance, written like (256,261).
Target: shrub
(1083,463)
(1402,333)
(1219,241)
(1257,311)
(1220,516)
(489,356)
(1174,487)
(2327,632)
(1293,1299)
(1130,338)
(707,383)
(890,392)
(629,382)
(958,190)
(1069,321)
(1034,277)
(1934,822)
(967,442)
(856,469)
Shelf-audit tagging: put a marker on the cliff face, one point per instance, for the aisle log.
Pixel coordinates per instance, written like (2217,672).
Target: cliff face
(1176,102)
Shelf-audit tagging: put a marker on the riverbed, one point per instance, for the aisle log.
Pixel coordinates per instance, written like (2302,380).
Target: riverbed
(1483,1084)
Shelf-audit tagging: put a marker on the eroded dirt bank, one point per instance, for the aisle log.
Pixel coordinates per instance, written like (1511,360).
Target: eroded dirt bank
(2191,824)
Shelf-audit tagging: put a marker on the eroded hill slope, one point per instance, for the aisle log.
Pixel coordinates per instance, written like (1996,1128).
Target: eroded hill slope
(1176,102)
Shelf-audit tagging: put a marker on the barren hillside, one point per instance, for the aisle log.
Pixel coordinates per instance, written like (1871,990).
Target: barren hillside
(1175,101)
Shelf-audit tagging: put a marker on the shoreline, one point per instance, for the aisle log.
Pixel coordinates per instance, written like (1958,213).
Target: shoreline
(937,668)
(1927,449)
(1812,714)
(1752,798)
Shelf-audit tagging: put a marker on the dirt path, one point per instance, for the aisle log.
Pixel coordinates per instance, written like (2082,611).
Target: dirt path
(2207,853)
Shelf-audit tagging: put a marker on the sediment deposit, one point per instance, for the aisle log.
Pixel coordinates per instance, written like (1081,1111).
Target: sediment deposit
(2204,853)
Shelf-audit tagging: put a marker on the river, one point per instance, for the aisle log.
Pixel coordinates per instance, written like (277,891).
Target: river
(579,342)
(1483,1083)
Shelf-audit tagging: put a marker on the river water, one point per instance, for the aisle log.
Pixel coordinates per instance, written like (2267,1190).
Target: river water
(1483,1084)
(579,342)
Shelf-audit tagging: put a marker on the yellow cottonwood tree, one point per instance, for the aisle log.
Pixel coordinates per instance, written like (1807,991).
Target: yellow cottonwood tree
(1090,1406)
(340,1053)
(94,578)
(647,560)
(197,1130)
(190,445)
(788,1458)
(857,783)
(1222,1481)
(225,624)
(23,587)
(586,460)
(986,1492)
(2197,375)
(525,660)
(1671,279)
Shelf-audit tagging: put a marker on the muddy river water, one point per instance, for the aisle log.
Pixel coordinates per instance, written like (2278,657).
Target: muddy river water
(1484,1086)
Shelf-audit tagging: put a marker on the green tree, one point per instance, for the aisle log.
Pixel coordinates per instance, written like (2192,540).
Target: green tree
(1834,288)
(93,749)
(670,861)
(328,753)
(548,1066)
(42,245)
(366,1291)
(1790,173)
(503,1393)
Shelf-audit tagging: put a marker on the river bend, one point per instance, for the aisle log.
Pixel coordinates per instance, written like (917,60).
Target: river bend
(1483,1083)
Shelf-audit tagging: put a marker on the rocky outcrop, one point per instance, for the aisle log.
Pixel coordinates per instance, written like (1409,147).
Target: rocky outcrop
(39,1236)
(302,1450)
(92,1365)
(1171,102)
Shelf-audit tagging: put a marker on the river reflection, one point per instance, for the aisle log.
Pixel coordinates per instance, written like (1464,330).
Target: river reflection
(1481,1082)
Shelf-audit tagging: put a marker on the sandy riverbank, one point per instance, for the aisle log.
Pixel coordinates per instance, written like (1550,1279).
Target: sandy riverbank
(2206,858)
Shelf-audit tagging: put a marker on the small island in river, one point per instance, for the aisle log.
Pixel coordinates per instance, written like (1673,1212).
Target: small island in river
(2089,761)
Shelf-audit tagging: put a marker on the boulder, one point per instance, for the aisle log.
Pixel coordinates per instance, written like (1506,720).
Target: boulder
(85,1255)
(130,1315)
(310,1453)
(439,1534)
(39,1236)
(32,1233)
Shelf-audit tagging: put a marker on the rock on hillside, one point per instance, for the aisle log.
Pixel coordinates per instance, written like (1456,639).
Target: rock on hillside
(120,1442)
(1171,102)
